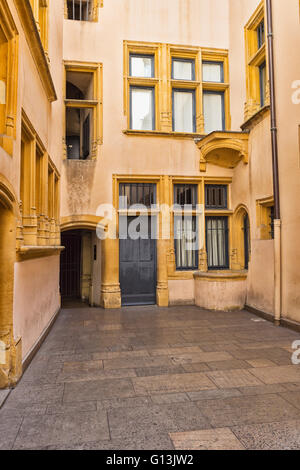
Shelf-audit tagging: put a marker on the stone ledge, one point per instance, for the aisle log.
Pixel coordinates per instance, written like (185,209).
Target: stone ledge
(221,276)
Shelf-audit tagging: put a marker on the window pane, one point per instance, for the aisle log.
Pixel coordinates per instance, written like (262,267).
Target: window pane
(142,109)
(142,66)
(213,112)
(186,242)
(212,72)
(185,194)
(263,83)
(217,242)
(183,107)
(183,70)
(215,196)
(137,193)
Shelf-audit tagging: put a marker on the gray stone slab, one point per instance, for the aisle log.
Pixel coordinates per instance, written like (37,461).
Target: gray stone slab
(98,390)
(62,429)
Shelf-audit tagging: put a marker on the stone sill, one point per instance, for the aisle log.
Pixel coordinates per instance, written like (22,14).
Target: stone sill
(179,135)
(255,118)
(31,252)
(221,276)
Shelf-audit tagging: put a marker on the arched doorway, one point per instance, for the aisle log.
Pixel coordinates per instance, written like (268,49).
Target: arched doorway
(241,239)
(80,267)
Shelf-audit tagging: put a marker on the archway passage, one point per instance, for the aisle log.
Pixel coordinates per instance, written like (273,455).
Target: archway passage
(70,265)
(80,267)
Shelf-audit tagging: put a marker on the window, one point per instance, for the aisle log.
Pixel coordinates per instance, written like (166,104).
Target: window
(265,214)
(262,83)
(260,34)
(217,242)
(186,242)
(256,59)
(8,78)
(83,92)
(184,119)
(215,196)
(172,85)
(39,191)
(183,69)
(81,10)
(142,66)
(142,105)
(137,193)
(213,110)
(186,195)
(213,72)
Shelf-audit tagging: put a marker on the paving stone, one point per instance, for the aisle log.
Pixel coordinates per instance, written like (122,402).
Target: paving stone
(98,390)
(62,429)
(9,427)
(261,363)
(174,351)
(262,389)
(162,370)
(280,374)
(201,357)
(146,420)
(202,367)
(233,378)
(71,407)
(214,394)
(11,410)
(170,398)
(117,354)
(292,397)
(156,441)
(228,365)
(254,410)
(100,374)
(137,362)
(28,394)
(131,402)
(3,396)
(270,436)
(172,383)
(207,439)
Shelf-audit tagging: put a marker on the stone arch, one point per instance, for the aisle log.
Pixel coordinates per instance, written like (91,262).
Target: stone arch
(240,258)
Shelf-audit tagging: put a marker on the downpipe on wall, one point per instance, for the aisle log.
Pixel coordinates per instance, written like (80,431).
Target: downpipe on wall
(274,131)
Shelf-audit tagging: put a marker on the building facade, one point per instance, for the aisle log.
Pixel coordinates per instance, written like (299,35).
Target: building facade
(136,159)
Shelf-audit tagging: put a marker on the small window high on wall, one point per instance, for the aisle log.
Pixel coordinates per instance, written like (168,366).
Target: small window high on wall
(81,10)
(79,114)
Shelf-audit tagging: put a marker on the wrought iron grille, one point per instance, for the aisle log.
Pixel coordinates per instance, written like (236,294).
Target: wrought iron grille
(137,193)
(80,10)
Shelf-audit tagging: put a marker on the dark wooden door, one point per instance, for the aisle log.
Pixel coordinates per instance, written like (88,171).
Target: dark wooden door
(138,268)
(70,264)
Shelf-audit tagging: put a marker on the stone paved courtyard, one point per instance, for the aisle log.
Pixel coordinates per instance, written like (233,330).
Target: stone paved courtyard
(150,378)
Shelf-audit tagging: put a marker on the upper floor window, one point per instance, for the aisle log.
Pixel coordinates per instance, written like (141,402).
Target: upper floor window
(142,66)
(170,88)
(184,110)
(185,194)
(183,69)
(81,10)
(213,72)
(262,83)
(137,193)
(83,110)
(216,196)
(261,34)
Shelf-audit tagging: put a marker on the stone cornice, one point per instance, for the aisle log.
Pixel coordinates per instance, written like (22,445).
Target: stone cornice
(36,47)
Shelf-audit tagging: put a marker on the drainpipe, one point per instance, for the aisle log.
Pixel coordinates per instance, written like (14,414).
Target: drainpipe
(277,222)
